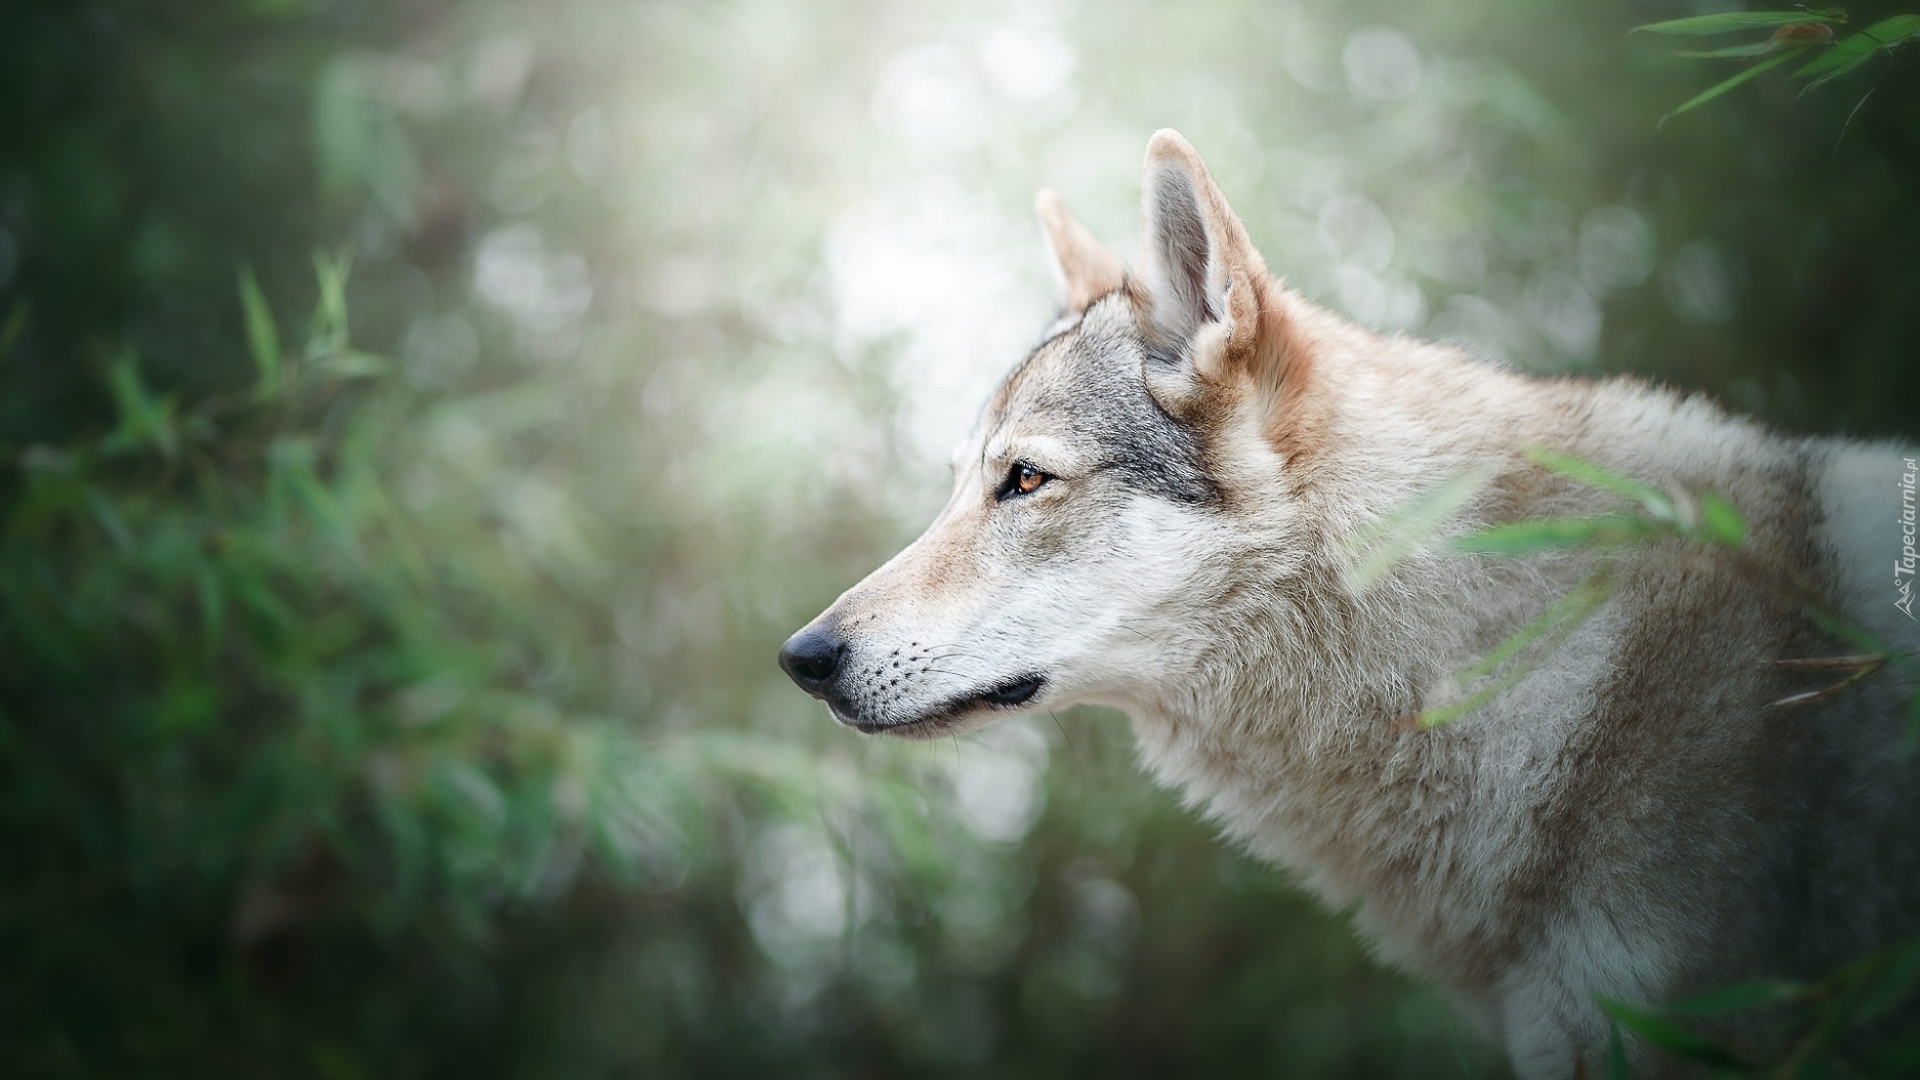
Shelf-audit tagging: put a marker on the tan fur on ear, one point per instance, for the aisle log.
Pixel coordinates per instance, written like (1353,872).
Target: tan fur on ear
(1087,268)
(1261,343)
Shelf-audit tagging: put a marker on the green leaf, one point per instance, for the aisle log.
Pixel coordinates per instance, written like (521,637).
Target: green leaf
(1671,1037)
(1757,48)
(1580,601)
(1720,522)
(1851,632)
(291,462)
(330,271)
(1725,85)
(259,595)
(213,609)
(350,364)
(1551,628)
(143,417)
(1374,549)
(1893,982)
(1617,1068)
(1748,995)
(263,340)
(16,322)
(1658,503)
(110,520)
(1729,21)
(1858,49)
(360,144)
(1546,534)
(1894,30)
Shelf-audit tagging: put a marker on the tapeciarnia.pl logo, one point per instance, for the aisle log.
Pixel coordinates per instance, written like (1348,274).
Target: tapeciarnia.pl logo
(1903,566)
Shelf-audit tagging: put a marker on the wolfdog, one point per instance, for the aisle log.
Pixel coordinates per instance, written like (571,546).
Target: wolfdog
(1150,514)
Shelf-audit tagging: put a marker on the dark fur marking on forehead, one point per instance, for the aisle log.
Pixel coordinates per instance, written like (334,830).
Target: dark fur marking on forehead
(1100,388)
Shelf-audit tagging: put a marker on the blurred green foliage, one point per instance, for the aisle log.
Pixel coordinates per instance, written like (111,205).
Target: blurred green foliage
(386,634)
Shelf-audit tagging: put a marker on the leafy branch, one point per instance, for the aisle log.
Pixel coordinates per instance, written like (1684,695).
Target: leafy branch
(1372,553)
(1836,46)
(1647,512)
(1851,998)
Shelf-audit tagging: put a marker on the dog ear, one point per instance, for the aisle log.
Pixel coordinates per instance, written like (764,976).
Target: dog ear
(1201,272)
(1085,268)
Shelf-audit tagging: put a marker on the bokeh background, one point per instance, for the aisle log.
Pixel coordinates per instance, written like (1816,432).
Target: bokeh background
(421,422)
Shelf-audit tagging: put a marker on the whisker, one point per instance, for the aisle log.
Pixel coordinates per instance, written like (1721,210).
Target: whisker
(1066,738)
(950,650)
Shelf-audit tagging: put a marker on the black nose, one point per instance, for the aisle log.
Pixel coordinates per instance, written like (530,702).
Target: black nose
(811,658)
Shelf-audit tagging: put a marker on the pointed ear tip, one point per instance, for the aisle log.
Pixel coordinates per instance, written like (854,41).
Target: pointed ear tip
(1169,145)
(1047,203)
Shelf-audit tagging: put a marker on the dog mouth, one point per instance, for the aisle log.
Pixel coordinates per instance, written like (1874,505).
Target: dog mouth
(1003,696)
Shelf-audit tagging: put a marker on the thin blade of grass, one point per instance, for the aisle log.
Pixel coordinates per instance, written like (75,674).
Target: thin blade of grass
(1617,1068)
(349,364)
(1810,696)
(330,272)
(1725,85)
(1374,549)
(1559,622)
(263,339)
(1748,995)
(1657,502)
(1854,634)
(1671,1037)
(1831,663)
(1891,984)
(16,322)
(1580,600)
(213,610)
(1547,534)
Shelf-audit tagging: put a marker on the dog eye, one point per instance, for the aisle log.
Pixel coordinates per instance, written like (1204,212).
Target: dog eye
(1022,479)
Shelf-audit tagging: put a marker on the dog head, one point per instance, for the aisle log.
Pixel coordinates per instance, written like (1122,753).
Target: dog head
(1104,507)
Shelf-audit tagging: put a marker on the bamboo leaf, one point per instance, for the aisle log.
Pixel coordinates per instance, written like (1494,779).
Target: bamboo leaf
(1658,503)
(1555,626)
(110,520)
(1748,995)
(1579,602)
(1891,984)
(263,339)
(1757,48)
(1546,534)
(330,272)
(1729,21)
(1725,85)
(1858,49)
(1617,1068)
(1720,522)
(143,417)
(213,609)
(291,461)
(1671,1037)
(350,364)
(1374,549)
(16,323)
